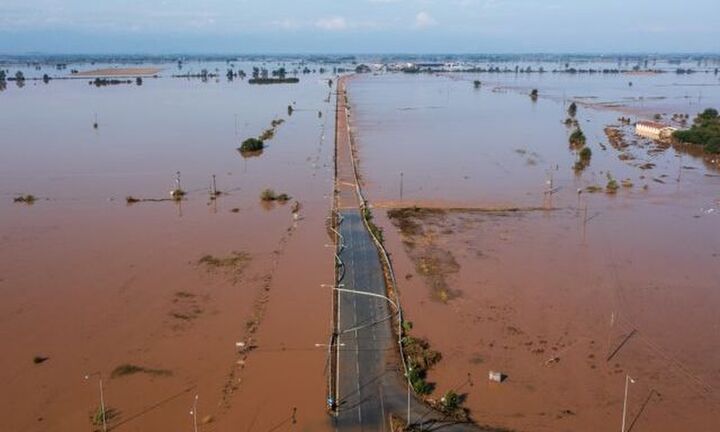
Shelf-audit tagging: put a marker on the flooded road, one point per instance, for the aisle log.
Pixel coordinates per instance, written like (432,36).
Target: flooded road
(565,293)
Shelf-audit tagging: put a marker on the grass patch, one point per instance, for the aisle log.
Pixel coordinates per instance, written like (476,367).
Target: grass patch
(233,260)
(99,416)
(376,231)
(131,369)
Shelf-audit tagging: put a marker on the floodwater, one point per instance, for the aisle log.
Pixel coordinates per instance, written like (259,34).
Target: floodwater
(577,291)
(93,283)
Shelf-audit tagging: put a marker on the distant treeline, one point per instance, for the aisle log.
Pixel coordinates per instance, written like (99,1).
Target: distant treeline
(519,70)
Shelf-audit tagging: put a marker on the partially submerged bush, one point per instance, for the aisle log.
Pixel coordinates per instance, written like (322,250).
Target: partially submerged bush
(177,194)
(251,145)
(27,199)
(612,185)
(572,109)
(577,138)
(450,401)
(585,154)
(131,369)
(270,195)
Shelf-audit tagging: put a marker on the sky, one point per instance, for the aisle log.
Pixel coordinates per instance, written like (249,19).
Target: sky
(359,26)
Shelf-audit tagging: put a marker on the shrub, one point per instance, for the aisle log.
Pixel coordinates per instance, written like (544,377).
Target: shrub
(585,154)
(713,146)
(577,138)
(267,195)
(251,145)
(450,401)
(27,199)
(572,109)
(270,195)
(612,185)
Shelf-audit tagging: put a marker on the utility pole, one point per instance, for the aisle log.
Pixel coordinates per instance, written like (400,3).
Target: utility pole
(194,414)
(628,380)
(401,185)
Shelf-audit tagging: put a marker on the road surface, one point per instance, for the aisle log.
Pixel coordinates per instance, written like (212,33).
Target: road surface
(369,379)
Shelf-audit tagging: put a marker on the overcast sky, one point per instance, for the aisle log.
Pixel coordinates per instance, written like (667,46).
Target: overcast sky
(359,26)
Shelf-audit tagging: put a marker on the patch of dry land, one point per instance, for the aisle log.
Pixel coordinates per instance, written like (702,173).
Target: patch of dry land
(119,72)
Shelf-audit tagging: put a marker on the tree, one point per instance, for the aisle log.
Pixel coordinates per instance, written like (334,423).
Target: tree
(577,138)
(138,81)
(572,109)
(585,154)
(713,146)
(534,94)
(2,75)
(46,78)
(19,76)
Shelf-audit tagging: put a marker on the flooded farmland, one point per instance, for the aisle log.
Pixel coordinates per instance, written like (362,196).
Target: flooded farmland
(511,260)
(164,299)
(139,245)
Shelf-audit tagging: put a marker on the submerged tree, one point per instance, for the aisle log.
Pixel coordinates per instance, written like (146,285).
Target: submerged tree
(577,138)
(534,94)
(572,109)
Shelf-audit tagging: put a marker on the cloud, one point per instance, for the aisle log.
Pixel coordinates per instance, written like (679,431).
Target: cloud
(287,24)
(332,23)
(424,20)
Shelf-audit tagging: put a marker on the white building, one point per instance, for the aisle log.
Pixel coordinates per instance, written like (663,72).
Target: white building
(653,130)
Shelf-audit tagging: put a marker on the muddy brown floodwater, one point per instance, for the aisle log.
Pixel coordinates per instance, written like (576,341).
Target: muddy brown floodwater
(565,293)
(161,292)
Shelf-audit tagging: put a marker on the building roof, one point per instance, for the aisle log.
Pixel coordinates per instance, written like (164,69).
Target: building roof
(651,124)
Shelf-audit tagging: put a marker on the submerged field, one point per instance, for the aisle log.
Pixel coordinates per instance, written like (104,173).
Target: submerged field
(565,292)
(156,295)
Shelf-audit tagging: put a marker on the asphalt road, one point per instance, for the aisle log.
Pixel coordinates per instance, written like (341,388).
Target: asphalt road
(370,381)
